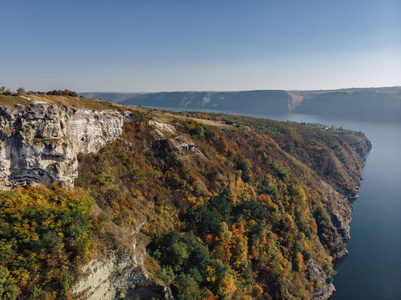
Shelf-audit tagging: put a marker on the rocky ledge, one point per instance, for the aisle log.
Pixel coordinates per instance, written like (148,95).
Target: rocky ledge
(40,142)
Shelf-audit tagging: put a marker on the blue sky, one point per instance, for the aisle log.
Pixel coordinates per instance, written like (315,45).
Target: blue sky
(171,45)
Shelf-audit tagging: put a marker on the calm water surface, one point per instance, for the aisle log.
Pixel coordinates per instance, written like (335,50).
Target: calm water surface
(372,270)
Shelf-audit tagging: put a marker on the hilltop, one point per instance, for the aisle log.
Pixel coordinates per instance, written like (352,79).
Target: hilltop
(102,200)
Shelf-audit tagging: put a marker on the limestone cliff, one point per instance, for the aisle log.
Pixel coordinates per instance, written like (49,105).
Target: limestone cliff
(120,274)
(40,142)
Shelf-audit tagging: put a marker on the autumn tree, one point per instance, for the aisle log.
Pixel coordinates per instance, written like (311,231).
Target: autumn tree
(21,91)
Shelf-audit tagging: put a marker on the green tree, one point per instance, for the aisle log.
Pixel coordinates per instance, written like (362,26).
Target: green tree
(186,288)
(8,291)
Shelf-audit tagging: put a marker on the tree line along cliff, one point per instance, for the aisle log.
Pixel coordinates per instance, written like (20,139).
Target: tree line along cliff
(204,210)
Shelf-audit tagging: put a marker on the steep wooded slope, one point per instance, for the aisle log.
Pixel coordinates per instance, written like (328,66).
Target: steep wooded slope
(255,209)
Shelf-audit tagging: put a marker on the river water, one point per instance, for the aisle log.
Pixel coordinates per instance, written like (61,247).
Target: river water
(372,269)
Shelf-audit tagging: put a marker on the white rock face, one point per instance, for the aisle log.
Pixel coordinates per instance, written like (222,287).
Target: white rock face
(162,128)
(109,278)
(120,274)
(40,142)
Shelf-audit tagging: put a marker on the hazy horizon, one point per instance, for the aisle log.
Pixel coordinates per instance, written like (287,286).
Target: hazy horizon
(153,46)
(222,91)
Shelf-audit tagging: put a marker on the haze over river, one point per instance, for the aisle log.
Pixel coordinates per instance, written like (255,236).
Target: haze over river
(372,270)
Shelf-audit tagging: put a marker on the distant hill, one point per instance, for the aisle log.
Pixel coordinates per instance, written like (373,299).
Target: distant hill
(260,101)
(109,96)
(267,102)
(382,104)
(356,103)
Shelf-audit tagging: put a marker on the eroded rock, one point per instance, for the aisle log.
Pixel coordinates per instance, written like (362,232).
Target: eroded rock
(40,142)
(323,287)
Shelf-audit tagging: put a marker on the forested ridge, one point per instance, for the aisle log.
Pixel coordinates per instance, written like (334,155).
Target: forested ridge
(233,211)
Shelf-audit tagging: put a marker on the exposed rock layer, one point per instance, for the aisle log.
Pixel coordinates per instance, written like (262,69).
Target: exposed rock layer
(40,142)
(315,273)
(121,274)
(104,278)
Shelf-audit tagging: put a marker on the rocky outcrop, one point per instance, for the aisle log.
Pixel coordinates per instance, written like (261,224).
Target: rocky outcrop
(109,278)
(323,287)
(182,143)
(40,142)
(120,274)
(340,209)
(117,276)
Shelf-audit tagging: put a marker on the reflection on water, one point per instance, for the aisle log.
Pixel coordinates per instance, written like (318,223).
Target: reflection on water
(372,270)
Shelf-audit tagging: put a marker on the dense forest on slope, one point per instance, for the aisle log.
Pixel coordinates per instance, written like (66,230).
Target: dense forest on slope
(45,234)
(250,209)
(239,215)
